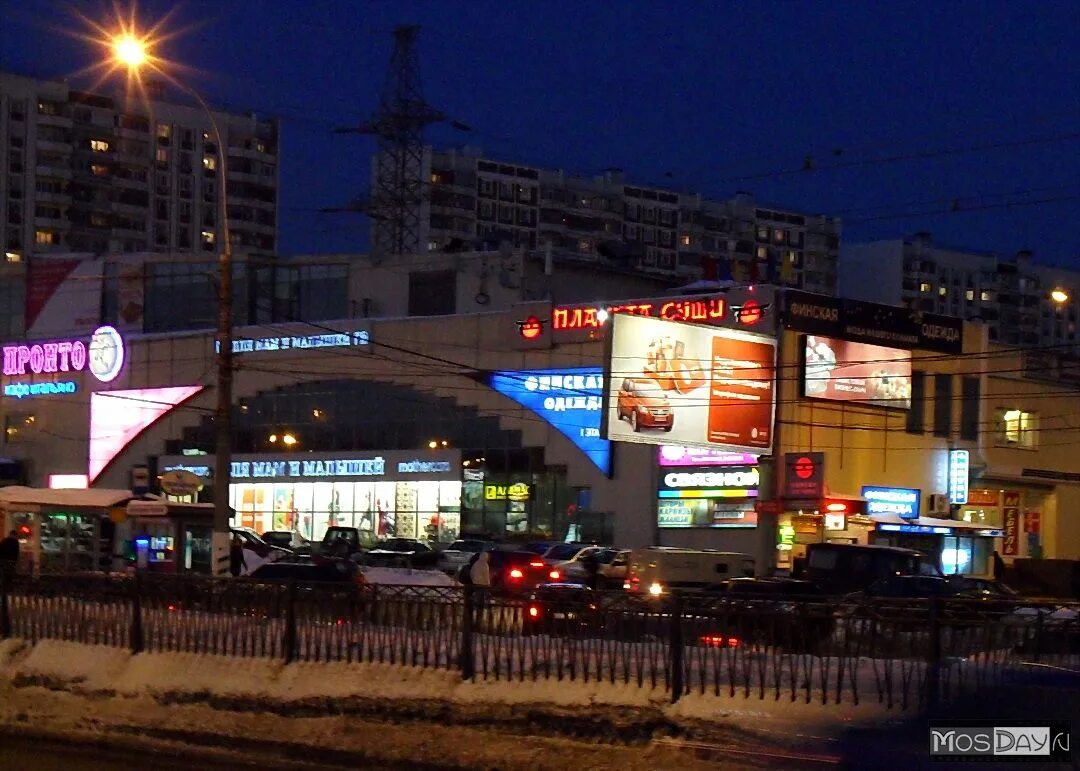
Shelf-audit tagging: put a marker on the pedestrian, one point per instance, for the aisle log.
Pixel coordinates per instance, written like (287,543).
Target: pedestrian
(9,555)
(480,570)
(237,561)
(591,563)
(999,567)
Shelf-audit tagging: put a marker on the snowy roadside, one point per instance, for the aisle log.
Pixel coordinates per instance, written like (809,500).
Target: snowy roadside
(75,688)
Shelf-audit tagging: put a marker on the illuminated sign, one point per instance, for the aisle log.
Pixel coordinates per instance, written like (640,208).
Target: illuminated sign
(702,311)
(925,529)
(845,371)
(901,501)
(531,328)
(570,400)
(359,338)
(805,477)
(275,469)
(959,474)
(699,512)
(690,385)
(515,492)
(742,478)
(104,356)
(423,466)
(750,312)
(785,537)
(118,417)
(68,482)
(674,455)
(22,390)
(835,522)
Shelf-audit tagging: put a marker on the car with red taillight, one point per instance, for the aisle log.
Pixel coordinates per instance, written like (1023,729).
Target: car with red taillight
(516,571)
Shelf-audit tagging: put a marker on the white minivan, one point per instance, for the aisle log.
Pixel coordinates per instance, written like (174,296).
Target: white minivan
(661,570)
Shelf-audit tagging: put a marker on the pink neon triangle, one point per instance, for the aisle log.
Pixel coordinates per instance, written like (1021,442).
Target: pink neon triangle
(117,417)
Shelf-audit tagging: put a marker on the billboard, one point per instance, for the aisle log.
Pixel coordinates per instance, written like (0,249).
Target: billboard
(695,386)
(846,371)
(570,400)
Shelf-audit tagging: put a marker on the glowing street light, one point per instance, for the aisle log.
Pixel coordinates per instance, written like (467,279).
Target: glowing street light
(129,51)
(1059,296)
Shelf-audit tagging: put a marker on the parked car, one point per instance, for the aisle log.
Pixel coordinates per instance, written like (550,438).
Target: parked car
(257,552)
(839,568)
(563,552)
(457,554)
(608,572)
(288,539)
(537,547)
(786,613)
(565,608)
(345,542)
(514,572)
(645,405)
(402,552)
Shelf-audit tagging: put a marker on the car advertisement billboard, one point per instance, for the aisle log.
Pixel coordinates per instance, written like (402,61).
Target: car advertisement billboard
(570,400)
(695,386)
(846,371)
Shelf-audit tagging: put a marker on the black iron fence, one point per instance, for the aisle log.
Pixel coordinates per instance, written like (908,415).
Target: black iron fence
(811,649)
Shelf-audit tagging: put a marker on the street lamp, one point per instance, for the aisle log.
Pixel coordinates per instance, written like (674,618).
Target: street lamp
(133,52)
(1059,296)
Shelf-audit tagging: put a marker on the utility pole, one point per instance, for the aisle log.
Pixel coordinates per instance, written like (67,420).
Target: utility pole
(399,182)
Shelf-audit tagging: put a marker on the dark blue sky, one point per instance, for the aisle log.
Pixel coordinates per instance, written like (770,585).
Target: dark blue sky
(708,93)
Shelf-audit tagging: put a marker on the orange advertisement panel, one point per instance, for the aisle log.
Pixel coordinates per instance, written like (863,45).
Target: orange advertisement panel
(695,386)
(1010,545)
(845,371)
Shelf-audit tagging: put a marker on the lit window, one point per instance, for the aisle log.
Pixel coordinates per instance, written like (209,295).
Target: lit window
(969,295)
(99,145)
(162,155)
(208,237)
(164,130)
(433,246)
(986,296)
(943,290)
(762,252)
(98,170)
(209,162)
(925,287)
(1019,428)
(46,237)
(686,240)
(12,257)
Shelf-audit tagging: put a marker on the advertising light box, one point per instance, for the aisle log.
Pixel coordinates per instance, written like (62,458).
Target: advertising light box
(845,371)
(571,400)
(694,386)
(901,501)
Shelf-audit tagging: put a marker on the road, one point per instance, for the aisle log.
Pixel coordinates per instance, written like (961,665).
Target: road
(30,754)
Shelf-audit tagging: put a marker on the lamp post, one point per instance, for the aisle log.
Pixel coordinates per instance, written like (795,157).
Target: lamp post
(132,52)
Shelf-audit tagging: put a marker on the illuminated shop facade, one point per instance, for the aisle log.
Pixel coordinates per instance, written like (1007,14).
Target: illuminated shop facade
(494,424)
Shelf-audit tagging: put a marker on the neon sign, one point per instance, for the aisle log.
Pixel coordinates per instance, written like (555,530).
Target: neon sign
(709,309)
(104,355)
(959,475)
(22,390)
(358,338)
(901,501)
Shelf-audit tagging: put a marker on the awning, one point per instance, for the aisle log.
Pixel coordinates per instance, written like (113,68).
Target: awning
(93,498)
(953,525)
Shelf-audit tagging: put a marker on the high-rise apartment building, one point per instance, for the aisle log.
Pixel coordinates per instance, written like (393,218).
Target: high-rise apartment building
(85,172)
(1023,303)
(472,198)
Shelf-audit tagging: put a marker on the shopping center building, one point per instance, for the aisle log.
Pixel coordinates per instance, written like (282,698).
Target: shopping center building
(873,426)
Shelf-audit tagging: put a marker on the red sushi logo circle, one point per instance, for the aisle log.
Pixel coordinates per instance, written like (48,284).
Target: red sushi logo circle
(531,328)
(750,313)
(804,468)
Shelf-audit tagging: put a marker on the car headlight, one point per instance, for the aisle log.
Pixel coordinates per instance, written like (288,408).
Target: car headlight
(656,589)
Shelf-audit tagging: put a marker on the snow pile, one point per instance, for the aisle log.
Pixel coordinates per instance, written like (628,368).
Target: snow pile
(407,577)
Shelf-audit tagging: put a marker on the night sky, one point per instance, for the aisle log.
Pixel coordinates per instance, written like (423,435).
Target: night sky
(710,97)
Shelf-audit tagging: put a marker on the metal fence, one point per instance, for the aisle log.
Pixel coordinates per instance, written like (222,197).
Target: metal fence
(827,650)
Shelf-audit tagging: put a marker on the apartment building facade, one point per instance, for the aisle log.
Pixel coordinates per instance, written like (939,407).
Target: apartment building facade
(1022,302)
(87,172)
(472,198)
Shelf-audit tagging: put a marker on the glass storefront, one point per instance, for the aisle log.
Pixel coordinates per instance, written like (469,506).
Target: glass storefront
(428,510)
